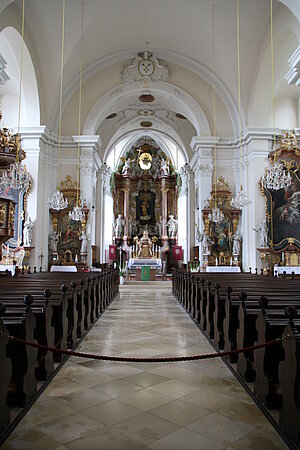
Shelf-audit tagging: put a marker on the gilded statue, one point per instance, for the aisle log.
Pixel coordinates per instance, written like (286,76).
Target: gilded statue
(145,246)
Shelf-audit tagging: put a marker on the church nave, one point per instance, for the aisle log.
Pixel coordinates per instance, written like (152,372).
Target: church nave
(176,406)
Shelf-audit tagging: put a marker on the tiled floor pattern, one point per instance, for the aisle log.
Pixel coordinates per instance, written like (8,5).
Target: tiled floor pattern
(174,406)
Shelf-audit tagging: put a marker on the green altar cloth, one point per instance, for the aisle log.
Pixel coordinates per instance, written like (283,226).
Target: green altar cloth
(145,273)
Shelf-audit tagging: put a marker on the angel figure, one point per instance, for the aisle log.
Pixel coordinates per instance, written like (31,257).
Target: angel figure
(126,166)
(165,167)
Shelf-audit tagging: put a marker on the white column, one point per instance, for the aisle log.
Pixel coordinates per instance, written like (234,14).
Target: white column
(186,212)
(41,163)
(90,163)
(202,164)
(104,211)
(254,161)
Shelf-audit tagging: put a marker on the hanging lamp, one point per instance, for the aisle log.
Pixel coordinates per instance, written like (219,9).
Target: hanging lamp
(57,201)
(16,176)
(240,199)
(216,214)
(276,176)
(77,214)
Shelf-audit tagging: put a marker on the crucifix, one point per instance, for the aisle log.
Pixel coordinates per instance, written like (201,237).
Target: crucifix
(41,256)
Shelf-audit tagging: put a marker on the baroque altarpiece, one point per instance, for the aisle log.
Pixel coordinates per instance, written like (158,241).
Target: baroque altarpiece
(64,242)
(221,234)
(283,208)
(145,191)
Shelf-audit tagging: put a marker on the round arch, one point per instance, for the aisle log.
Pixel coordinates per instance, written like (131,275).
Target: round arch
(161,133)
(10,43)
(186,105)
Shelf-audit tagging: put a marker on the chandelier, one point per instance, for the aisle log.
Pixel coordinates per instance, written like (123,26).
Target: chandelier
(16,177)
(240,200)
(57,201)
(77,214)
(277,177)
(216,215)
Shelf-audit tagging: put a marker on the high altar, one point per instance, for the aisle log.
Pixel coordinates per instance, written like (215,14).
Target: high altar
(145,192)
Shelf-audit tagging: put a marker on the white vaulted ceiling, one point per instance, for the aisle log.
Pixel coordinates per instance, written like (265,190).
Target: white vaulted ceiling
(179,33)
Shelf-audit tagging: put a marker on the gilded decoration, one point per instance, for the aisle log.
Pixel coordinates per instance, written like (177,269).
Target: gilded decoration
(220,236)
(65,242)
(283,205)
(145,191)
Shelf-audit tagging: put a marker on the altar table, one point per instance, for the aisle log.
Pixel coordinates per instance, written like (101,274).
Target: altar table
(232,269)
(287,270)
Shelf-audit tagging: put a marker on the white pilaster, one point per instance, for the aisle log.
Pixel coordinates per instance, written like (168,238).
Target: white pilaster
(37,143)
(202,165)
(90,163)
(104,211)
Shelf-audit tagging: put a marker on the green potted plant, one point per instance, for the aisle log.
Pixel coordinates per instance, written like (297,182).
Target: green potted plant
(122,271)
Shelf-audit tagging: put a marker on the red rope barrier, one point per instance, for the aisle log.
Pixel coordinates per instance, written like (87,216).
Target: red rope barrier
(125,359)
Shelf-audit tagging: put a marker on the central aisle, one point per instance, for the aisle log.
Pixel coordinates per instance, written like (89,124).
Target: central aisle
(172,406)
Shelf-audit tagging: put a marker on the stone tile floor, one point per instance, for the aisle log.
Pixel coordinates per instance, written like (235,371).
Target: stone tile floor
(174,406)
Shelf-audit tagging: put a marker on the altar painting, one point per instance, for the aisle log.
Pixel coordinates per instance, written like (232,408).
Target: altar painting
(16,195)
(70,231)
(220,235)
(145,207)
(283,208)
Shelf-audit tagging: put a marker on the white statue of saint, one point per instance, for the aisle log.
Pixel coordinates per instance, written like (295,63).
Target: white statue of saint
(27,232)
(119,226)
(236,247)
(53,242)
(263,234)
(206,242)
(83,239)
(164,167)
(126,166)
(172,225)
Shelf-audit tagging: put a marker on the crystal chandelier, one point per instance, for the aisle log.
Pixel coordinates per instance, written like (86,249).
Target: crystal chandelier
(216,215)
(16,177)
(78,214)
(277,177)
(240,200)
(57,201)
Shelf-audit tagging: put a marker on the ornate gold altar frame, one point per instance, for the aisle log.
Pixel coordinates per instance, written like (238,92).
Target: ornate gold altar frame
(68,230)
(221,234)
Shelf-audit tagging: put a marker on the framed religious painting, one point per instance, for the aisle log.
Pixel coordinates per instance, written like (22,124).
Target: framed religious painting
(283,212)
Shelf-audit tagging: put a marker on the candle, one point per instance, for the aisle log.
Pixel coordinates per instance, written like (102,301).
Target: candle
(216,261)
(282,256)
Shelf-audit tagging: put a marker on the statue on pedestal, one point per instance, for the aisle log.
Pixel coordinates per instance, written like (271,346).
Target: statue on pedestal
(263,234)
(53,242)
(27,232)
(172,225)
(83,239)
(119,223)
(236,247)
(206,242)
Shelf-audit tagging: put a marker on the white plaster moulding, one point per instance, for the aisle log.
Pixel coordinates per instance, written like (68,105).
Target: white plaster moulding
(168,56)
(186,104)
